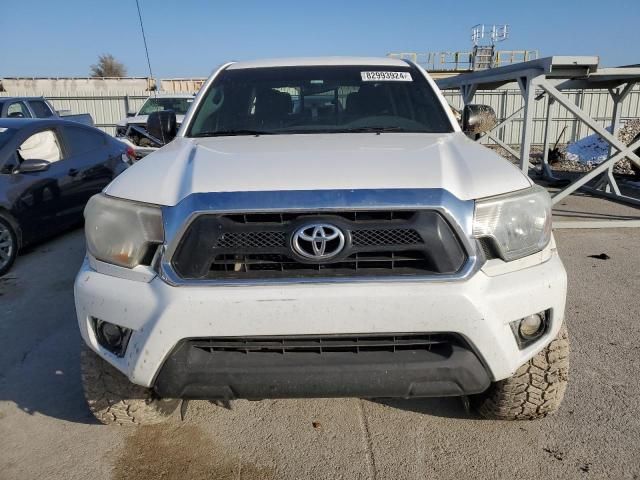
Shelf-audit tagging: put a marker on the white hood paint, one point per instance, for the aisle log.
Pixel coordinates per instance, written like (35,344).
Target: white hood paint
(318,162)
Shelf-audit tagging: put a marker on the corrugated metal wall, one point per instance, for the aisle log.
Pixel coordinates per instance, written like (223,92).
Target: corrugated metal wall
(109,108)
(106,109)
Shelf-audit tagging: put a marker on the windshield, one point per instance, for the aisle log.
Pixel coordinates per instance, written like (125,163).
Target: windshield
(178,105)
(337,99)
(5,135)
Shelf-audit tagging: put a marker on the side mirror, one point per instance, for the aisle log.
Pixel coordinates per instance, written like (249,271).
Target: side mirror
(32,165)
(162,125)
(478,119)
(131,113)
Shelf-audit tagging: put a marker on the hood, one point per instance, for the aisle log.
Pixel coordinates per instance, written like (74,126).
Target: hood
(318,162)
(142,120)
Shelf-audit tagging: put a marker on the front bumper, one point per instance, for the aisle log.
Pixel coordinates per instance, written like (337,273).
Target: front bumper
(197,371)
(478,310)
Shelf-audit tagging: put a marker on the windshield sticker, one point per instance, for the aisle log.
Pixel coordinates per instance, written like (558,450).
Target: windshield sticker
(386,77)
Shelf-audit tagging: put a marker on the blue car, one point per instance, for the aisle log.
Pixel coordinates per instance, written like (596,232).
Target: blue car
(49,168)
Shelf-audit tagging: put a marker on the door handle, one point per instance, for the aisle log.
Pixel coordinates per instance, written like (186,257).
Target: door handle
(73,172)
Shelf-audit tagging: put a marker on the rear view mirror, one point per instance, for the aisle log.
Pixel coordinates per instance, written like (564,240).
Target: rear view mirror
(32,165)
(162,125)
(131,113)
(478,119)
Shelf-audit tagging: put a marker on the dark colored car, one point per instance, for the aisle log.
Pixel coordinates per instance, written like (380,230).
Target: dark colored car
(48,171)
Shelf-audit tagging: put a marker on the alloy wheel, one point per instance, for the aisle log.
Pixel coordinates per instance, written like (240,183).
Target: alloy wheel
(7,245)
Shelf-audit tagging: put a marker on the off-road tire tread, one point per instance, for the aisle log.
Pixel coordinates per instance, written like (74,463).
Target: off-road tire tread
(113,399)
(535,390)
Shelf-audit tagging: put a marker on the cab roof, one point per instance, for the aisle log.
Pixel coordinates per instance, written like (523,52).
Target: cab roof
(14,99)
(319,61)
(19,123)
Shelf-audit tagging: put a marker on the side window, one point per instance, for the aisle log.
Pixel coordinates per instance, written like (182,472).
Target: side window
(40,108)
(82,140)
(18,110)
(41,146)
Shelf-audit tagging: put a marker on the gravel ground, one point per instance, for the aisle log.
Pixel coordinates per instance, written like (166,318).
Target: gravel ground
(46,430)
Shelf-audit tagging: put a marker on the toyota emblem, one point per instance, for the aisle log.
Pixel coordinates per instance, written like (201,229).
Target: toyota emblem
(318,241)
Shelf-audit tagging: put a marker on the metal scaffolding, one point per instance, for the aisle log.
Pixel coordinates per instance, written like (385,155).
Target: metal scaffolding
(549,77)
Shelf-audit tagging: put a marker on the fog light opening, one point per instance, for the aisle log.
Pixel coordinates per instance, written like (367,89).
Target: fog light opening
(530,328)
(112,337)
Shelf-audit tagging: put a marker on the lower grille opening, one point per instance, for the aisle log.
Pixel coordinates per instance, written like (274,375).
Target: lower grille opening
(325,344)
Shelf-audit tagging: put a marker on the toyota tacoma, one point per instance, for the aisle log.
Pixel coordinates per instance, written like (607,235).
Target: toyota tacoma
(321,227)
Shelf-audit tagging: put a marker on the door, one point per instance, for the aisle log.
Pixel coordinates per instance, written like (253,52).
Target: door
(43,203)
(87,151)
(40,109)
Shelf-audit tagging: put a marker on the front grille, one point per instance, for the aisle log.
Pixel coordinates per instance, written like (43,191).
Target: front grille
(259,245)
(324,344)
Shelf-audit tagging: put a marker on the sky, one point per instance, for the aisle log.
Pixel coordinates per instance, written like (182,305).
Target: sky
(189,38)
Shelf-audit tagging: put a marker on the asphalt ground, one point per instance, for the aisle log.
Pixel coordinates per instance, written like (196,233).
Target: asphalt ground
(46,430)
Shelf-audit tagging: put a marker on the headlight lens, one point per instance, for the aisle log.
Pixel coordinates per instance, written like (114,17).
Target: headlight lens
(121,232)
(519,224)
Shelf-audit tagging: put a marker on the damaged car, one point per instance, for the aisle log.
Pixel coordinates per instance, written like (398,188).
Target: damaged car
(133,130)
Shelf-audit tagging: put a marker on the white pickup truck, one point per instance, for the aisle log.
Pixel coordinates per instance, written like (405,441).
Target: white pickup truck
(321,227)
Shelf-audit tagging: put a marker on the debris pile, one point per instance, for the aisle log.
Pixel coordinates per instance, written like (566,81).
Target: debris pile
(593,150)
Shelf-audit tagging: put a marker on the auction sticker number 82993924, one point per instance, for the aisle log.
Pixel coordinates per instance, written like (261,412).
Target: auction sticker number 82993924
(386,76)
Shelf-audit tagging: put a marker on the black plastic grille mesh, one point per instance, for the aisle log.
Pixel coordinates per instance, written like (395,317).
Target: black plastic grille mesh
(360,238)
(259,239)
(399,236)
(325,344)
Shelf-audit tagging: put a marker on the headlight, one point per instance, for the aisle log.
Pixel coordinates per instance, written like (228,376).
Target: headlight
(518,224)
(121,232)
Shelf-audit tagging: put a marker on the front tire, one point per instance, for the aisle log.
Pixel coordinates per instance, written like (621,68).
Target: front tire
(113,399)
(535,390)
(8,244)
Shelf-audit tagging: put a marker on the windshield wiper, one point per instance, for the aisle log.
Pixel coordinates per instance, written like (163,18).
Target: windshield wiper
(375,129)
(232,133)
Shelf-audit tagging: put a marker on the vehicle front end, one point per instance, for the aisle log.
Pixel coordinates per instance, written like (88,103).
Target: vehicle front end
(418,302)
(367,263)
